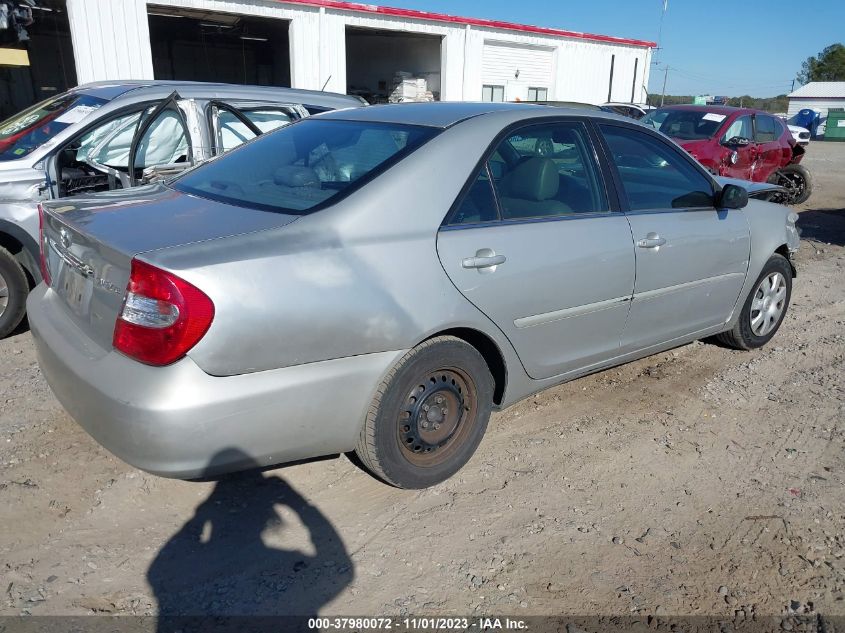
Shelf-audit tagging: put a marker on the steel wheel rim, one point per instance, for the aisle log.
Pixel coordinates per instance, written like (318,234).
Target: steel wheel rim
(794,184)
(4,294)
(436,416)
(767,304)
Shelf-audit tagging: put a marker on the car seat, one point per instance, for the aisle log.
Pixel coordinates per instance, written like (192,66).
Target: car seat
(530,188)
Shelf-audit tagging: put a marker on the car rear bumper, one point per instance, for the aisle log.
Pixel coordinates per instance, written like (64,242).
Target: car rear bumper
(178,421)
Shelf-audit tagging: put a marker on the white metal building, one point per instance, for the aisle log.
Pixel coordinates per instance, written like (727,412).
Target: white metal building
(820,96)
(342,46)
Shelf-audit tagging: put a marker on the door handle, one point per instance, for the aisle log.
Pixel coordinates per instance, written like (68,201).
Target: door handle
(484,258)
(652,240)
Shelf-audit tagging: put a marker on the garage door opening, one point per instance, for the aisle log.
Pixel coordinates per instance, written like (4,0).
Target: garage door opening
(193,45)
(38,68)
(392,66)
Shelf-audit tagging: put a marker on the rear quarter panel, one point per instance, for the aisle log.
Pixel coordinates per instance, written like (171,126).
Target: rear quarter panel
(362,276)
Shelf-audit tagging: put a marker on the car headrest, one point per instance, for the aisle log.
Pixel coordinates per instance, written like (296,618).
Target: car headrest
(296,176)
(536,179)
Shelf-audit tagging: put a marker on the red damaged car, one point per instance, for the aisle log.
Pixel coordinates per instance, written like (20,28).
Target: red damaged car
(738,143)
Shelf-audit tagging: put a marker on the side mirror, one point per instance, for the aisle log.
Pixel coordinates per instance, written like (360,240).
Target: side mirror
(737,141)
(732,197)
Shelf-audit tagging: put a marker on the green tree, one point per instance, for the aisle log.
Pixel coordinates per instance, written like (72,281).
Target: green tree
(829,65)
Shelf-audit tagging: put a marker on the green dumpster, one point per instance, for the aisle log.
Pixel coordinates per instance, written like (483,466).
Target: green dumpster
(835,128)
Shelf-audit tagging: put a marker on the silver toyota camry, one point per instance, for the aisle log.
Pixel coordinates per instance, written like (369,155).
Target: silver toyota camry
(378,280)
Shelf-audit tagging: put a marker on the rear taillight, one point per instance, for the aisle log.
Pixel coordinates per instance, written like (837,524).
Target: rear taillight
(163,316)
(45,270)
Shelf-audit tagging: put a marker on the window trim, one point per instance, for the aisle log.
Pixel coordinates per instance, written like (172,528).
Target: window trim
(617,178)
(613,201)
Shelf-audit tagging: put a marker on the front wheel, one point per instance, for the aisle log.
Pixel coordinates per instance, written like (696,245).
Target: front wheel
(797,184)
(429,414)
(764,309)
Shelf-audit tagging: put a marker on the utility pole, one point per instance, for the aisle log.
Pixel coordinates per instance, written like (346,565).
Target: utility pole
(665,76)
(793,86)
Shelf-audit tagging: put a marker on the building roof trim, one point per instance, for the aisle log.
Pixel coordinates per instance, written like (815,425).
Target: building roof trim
(480,22)
(820,90)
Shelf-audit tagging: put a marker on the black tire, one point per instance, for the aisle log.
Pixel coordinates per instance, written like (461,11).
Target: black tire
(13,278)
(797,181)
(444,383)
(742,335)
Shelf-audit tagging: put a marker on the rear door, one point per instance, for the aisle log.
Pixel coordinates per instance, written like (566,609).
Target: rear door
(534,243)
(691,258)
(767,132)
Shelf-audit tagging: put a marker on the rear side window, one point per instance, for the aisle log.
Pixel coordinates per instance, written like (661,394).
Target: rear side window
(654,175)
(540,171)
(306,166)
(766,129)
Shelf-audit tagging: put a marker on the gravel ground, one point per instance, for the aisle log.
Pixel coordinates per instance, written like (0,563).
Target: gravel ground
(697,481)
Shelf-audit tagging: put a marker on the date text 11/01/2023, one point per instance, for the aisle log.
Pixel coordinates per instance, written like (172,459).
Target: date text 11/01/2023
(417,624)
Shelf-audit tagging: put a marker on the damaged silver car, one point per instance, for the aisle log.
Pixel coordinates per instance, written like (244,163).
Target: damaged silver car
(110,136)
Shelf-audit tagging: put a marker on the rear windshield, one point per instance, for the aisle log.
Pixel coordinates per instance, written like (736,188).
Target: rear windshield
(305,166)
(686,125)
(26,131)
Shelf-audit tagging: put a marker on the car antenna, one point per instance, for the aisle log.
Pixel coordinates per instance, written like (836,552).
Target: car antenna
(323,89)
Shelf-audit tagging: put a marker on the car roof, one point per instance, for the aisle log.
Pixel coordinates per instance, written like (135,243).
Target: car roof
(444,114)
(110,90)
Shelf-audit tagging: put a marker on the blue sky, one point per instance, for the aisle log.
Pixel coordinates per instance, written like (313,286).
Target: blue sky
(721,47)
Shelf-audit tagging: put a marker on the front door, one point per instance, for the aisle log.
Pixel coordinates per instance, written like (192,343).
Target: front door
(534,245)
(692,258)
(739,138)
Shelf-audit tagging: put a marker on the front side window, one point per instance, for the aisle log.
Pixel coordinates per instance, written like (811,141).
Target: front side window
(655,176)
(741,128)
(303,167)
(25,132)
(109,144)
(492,93)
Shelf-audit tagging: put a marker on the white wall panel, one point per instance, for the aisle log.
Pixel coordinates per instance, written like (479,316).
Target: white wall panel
(111,40)
(517,67)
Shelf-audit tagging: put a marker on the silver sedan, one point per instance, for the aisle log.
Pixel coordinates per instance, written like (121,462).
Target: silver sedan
(378,280)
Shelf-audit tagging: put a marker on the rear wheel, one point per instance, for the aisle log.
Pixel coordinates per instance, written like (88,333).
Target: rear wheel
(765,307)
(796,181)
(429,414)
(13,291)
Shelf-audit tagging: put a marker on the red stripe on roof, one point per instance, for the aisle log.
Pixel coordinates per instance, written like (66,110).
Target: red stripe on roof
(442,17)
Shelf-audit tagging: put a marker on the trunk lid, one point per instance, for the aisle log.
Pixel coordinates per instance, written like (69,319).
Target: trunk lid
(89,243)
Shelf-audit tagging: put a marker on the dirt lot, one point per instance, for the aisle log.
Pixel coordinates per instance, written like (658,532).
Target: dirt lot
(698,481)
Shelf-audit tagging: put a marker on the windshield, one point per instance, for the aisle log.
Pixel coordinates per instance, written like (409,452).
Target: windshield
(686,125)
(302,167)
(33,127)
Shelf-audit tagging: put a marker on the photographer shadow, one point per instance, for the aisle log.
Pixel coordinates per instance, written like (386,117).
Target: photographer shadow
(218,568)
